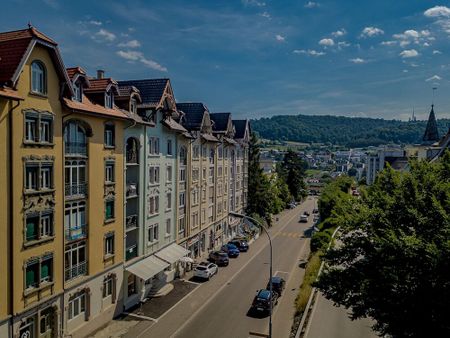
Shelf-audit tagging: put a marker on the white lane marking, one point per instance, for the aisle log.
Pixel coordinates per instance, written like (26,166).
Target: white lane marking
(283,272)
(140,316)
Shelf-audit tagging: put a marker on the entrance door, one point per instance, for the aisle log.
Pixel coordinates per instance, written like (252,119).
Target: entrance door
(47,323)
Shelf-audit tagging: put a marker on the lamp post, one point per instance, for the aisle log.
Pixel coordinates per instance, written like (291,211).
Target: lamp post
(270,277)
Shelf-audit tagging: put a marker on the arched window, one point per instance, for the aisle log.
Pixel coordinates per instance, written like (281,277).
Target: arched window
(38,78)
(75,139)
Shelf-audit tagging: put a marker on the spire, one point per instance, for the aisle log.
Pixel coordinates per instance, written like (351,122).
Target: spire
(431,134)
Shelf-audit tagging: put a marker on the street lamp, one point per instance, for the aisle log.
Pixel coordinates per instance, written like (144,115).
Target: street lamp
(270,279)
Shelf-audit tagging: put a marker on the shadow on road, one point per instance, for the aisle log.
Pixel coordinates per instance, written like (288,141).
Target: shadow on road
(252,313)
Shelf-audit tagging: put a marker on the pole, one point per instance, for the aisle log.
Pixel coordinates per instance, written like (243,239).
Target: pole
(271,260)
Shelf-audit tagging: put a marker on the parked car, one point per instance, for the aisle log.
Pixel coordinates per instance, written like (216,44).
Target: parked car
(278,285)
(304,218)
(241,244)
(231,250)
(219,258)
(261,302)
(205,270)
(306,213)
(315,211)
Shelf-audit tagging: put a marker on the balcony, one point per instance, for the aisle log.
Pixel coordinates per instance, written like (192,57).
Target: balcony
(132,190)
(75,233)
(75,149)
(75,271)
(131,222)
(132,157)
(131,252)
(76,190)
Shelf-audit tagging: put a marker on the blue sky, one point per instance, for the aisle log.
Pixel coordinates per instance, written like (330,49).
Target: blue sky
(260,58)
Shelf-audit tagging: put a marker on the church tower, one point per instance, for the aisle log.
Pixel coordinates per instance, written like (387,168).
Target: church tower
(431,134)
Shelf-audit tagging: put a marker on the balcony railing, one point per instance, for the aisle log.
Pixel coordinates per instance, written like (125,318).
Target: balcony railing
(75,233)
(75,148)
(131,221)
(75,271)
(132,190)
(131,252)
(75,189)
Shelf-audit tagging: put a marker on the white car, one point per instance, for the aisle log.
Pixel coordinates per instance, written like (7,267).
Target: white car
(205,270)
(303,218)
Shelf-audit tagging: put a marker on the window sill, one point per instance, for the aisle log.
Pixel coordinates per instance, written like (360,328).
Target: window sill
(108,257)
(37,192)
(109,147)
(41,95)
(38,144)
(108,221)
(108,183)
(168,209)
(44,285)
(153,185)
(153,155)
(40,241)
(152,243)
(152,215)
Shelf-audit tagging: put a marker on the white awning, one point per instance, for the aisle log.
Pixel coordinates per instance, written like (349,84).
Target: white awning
(172,253)
(148,267)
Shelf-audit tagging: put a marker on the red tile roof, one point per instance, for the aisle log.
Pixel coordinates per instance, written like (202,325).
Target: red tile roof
(25,34)
(10,93)
(75,70)
(89,107)
(99,85)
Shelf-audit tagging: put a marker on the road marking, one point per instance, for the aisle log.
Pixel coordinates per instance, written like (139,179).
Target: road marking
(223,286)
(140,316)
(284,272)
(188,281)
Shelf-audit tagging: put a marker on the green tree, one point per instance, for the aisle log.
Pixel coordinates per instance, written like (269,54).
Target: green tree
(393,260)
(292,171)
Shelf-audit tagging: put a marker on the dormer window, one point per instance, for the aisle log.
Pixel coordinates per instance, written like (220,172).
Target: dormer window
(109,99)
(38,78)
(77,91)
(133,106)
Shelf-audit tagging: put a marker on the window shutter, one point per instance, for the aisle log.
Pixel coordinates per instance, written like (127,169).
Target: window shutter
(45,270)
(31,231)
(30,278)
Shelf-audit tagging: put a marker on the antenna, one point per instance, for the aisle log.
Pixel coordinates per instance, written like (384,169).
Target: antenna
(413,117)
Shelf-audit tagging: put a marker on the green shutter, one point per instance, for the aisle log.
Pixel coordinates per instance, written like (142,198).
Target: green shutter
(45,270)
(109,209)
(30,276)
(31,229)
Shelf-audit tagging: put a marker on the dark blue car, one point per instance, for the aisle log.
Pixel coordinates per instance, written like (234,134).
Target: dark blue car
(231,250)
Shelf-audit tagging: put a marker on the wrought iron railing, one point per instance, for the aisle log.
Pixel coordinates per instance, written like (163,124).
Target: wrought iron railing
(131,252)
(131,221)
(79,189)
(75,271)
(75,148)
(74,233)
(132,190)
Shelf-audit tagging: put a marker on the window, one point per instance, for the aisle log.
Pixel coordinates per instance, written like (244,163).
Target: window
(169,173)
(109,244)
(182,174)
(183,156)
(211,176)
(133,106)
(75,177)
(204,174)
(169,147)
(38,176)
(220,151)
(195,174)
(108,284)
(195,219)
(219,171)
(195,196)
(38,78)
(75,263)
(75,142)
(196,152)
(182,226)
(203,216)
(31,176)
(45,130)
(77,305)
(109,210)
(46,177)
(75,220)
(182,199)
(38,271)
(153,175)
(153,146)
(38,226)
(204,150)
(31,123)
(109,99)
(168,226)
(109,172)
(169,200)
(153,205)
(109,135)
(153,233)
(131,284)
(77,91)
(211,156)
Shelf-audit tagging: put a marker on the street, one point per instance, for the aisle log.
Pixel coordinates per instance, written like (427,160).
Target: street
(219,308)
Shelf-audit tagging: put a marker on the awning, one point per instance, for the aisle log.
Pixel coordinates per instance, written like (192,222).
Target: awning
(148,267)
(172,253)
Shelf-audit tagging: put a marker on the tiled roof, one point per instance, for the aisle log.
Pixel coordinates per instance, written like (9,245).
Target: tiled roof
(126,91)
(99,85)
(220,121)
(173,125)
(13,46)
(151,90)
(210,138)
(10,93)
(75,70)
(193,114)
(89,107)
(240,126)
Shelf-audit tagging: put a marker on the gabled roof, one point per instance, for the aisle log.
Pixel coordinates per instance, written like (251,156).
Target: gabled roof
(87,106)
(16,46)
(72,71)
(193,114)
(101,85)
(126,91)
(152,90)
(220,121)
(10,93)
(431,134)
(241,127)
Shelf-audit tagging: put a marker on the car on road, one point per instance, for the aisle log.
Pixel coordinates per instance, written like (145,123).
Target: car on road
(241,244)
(306,213)
(315,211)
(278,285)
(304,218)
(219,258)
(205,270)
(231,250)
(261,302)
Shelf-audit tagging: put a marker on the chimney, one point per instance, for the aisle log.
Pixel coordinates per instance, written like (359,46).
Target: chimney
(100,74)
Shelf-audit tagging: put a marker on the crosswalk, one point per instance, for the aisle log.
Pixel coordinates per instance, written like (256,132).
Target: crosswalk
(289,234)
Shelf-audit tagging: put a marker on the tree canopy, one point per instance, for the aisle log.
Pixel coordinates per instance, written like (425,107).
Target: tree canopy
(392,261)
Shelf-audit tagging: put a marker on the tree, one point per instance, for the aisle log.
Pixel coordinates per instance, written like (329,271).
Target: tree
(292,170)
(352,172)
(393,261)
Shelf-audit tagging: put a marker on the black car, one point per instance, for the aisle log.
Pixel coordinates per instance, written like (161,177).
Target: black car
(278,285)
(261,302)
(241,244)
(219,258)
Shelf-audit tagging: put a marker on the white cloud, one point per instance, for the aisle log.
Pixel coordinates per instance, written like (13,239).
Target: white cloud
(95,22)
(254,3)
(312,4)
(409,53)
(434,78)
(265,15)
(343,44)
(339,33)
(369,32)
(437,52)
(138,56)
(388,43)
(311,52)
(405,71)
(130,44)
(326,42)
(437,11)
(409,36)
(104,35)
(357,60)
(280,38)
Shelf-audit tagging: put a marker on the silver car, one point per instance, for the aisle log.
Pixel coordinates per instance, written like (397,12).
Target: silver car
(205,270)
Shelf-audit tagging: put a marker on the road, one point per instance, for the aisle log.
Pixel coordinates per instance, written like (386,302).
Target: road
(218,308)
(329,321)
(226,315)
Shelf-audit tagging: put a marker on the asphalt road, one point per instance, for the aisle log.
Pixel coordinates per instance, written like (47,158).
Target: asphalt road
(226,314)
(329,321)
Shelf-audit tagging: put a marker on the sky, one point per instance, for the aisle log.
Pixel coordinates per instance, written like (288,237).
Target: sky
(258,58)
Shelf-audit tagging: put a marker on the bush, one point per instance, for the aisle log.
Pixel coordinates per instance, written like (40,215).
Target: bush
(312,269)
(320,240)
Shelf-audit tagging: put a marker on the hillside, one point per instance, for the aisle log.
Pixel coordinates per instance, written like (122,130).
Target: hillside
(348,131)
